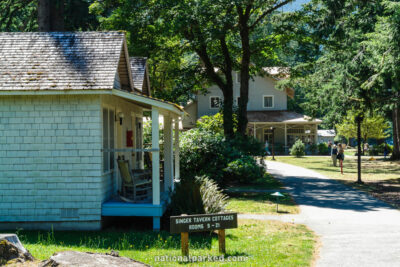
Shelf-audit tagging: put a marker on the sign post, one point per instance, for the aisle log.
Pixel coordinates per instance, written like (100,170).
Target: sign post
(186,224)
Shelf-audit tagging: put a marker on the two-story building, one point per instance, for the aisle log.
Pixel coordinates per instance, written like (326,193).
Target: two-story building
(267,110)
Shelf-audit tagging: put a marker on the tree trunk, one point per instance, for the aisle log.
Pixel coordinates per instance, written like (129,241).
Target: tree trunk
(244,78)
(44,15)
(227,112)
(57,15)
(396,133)
(51,15)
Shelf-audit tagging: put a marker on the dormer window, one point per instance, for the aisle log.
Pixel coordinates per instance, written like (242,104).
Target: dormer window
(215,102)
(268,101)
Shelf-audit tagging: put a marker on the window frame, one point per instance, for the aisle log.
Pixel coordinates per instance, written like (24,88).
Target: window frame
(238,77)
(110,165)
(272,100)
(220,102)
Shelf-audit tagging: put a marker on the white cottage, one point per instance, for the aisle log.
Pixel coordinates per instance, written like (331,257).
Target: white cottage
(71,104)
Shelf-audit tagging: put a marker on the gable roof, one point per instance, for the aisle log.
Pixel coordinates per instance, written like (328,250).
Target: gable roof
(61,60)
(138,68)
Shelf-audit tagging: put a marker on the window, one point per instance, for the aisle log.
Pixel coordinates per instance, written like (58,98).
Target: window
(237,77)
(108,139)
(237,100)
(268,101)
(215,102)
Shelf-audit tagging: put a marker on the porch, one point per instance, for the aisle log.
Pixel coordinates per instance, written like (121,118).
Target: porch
(282,128)
(157,167)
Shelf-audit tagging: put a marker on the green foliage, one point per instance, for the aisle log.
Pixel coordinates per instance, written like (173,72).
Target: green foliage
(323,149)
(298,149)
(243,170)
(197,195)
(209,153)
(21,16)
(214,123)
(376,150)
(371,127)
(147,134)
(312,149)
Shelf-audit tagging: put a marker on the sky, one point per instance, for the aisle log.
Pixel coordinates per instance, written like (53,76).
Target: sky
(295,5)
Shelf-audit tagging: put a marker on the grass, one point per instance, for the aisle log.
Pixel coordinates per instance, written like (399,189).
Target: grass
(260,243)
(267,182)
(260,203)
(371,170)
(381,177)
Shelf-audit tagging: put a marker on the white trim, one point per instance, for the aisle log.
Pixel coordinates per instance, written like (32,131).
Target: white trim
(209,101)
(131,96)
(273,101)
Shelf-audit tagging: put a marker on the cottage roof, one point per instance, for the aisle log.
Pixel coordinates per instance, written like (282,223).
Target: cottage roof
(327,133)
(62,61)
(279,116)
(138,68)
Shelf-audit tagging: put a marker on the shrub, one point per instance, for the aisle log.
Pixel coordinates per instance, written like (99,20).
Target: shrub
(197,195)
(313,149)
(208,153)
(298,149)
(202,153)
(243,169)
(323,149)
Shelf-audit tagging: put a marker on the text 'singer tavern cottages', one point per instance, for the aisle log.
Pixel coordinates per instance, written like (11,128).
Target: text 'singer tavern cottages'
(71,146)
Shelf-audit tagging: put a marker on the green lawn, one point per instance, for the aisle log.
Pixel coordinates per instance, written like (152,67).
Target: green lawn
(261,203)
(266,182)
(372,170)
(268,243)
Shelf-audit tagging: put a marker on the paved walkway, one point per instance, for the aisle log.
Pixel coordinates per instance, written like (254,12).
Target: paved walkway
(355,229)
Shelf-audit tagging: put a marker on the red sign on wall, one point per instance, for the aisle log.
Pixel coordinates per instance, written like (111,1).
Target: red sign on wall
(129,138)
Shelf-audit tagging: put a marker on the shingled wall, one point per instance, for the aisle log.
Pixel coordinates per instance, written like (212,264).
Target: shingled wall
(50,162)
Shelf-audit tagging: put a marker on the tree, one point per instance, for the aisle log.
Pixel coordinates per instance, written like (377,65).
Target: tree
(383,47)
(220,36)
(371,127)
(54,15)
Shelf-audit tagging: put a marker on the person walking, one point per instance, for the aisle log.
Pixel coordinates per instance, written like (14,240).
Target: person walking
(340,157)
(385,151)
(334,152)
(266,147)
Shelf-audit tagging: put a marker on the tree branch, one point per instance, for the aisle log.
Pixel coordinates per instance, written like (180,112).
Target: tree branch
(269,11)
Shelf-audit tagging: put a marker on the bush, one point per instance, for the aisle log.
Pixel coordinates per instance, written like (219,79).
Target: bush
(197,195)
(379,149)
(225,161)
(323,149)
(298,149)
(243,169)
(313,149)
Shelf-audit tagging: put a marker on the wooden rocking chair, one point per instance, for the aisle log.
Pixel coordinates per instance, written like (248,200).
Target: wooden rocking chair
(133,188)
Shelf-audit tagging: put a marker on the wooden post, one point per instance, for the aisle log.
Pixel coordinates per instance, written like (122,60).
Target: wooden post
(155,139)
(221,241)
(168,154)
(185,244)
(177,159)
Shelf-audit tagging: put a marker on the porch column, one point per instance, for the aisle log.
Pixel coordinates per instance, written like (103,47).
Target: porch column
(316,134)
(255,131)
(286,148)
(177,158)
(155,138)
(168,154)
